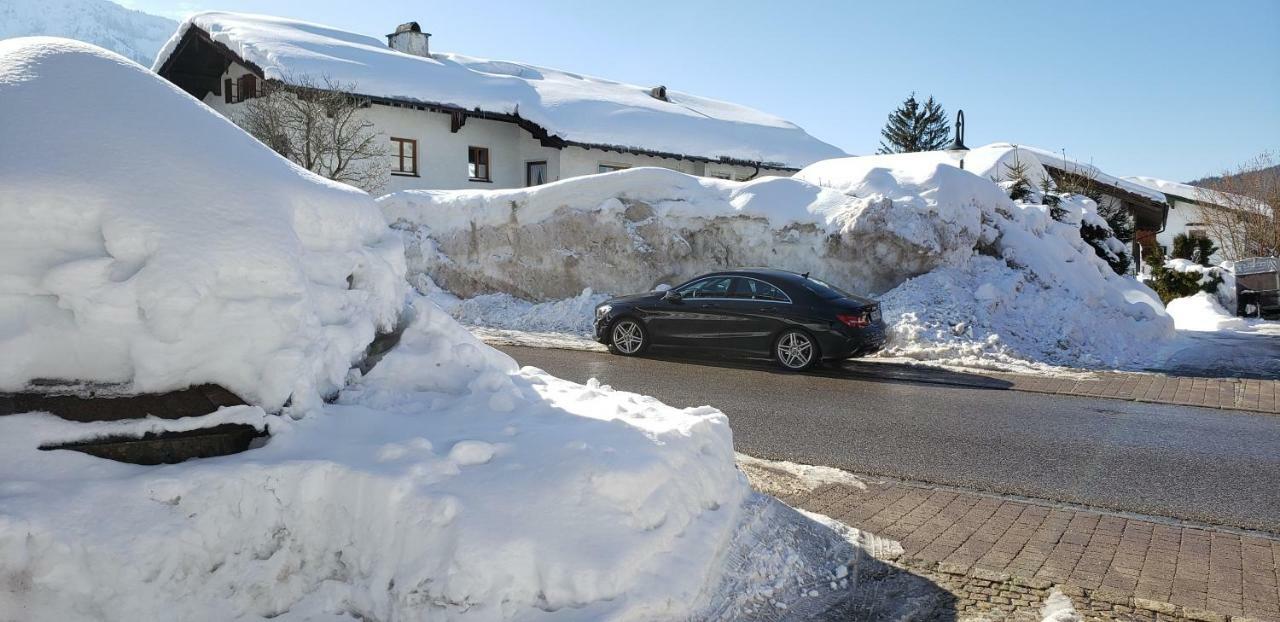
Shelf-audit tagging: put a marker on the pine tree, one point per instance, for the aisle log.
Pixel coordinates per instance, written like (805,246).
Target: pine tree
(1018,178)
(913,127)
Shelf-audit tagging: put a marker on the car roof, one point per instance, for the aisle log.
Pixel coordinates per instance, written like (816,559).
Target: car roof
(785,275)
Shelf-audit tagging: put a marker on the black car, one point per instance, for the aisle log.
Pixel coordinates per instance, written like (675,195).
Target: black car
(794,318)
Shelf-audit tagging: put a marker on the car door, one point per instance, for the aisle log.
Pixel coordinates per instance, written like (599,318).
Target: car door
(750,316)
(681,321)
(695,319)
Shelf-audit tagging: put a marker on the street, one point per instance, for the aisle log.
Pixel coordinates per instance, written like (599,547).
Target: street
(1208,465)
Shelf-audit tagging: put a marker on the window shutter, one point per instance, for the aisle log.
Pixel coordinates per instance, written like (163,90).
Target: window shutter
(226,91)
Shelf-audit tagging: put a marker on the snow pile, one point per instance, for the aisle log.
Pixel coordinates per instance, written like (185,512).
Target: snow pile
(580,109)
(1203,312)
(506,312)
(967,276)
(443,485)
(132,34)
(146,241)
(1034,292)
(628,231)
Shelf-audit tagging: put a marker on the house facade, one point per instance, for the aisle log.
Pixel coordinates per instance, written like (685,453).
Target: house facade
(1187,211)
(457,122)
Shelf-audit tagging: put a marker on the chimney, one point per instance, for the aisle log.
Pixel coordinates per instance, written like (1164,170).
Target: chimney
(410,39)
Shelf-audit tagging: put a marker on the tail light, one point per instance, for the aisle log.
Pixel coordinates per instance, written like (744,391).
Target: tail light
(855,320)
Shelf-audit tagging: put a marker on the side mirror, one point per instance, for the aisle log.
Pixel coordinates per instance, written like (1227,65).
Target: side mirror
(672,296)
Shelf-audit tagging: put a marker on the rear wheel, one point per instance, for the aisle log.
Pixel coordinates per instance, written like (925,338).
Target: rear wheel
(628,337)
(795,350)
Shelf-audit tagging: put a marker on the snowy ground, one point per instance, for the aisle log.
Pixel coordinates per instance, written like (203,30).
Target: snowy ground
(445,483)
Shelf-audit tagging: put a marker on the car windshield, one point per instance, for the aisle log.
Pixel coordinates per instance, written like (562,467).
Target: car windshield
(824,290)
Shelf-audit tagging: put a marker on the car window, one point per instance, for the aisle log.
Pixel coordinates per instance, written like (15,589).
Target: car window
(823,290)
(714,287)
(765,291)
(753,289)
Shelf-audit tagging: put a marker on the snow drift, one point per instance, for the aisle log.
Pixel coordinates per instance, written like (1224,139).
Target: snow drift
(147,241)
(966,275)
(630,230)
(443,485)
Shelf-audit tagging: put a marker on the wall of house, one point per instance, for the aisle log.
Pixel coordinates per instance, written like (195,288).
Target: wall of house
(1181,216)
(442,154)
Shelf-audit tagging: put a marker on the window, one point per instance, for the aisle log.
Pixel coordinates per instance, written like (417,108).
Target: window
(404,157)
(718,175)
(752,289)
(609,168)
(824,290)
(535,173)
(240,89)
(478,163)
(713,287)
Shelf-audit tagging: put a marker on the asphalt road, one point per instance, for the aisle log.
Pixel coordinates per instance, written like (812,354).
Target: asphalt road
(1214,466)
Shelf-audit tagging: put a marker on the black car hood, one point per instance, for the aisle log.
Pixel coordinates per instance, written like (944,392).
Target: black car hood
(635,297)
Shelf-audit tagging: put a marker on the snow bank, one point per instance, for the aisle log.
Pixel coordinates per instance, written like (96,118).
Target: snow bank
(628,231)
(1035,292)
(445,484)
(967,276)
(1203,312)
(577,108)
(147,241)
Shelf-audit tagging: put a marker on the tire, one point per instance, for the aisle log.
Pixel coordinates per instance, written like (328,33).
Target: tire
(628,337)
(796,350)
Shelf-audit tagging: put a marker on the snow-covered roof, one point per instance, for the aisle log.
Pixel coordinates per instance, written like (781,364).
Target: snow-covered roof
(1193,193)
(579,109)
(1060,161)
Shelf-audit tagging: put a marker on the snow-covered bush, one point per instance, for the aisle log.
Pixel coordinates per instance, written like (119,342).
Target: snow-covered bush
(146,241)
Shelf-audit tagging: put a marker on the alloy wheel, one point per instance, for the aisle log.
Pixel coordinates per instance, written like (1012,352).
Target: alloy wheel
(628,337)
(795,350)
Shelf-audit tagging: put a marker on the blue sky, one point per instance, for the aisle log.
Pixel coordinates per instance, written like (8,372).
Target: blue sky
(1174,89)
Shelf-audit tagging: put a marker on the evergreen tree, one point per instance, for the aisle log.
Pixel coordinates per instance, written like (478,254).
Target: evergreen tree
(1019,182)
(913,127)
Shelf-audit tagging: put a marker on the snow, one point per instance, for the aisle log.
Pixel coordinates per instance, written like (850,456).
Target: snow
(1203,312)
(967,277)
(132,34)
(445,483)
(808,476)
(146,241)
(1060,161)
(581,109)
(1058,608)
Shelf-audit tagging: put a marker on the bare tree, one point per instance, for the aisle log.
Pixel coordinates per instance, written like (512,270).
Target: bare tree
(1238,209)
(320,126)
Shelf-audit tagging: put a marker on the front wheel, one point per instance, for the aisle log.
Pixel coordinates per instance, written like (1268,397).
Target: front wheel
(628,337)
(795,350)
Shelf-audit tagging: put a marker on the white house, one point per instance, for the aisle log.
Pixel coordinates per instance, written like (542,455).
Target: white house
(454,121)
(1186,210)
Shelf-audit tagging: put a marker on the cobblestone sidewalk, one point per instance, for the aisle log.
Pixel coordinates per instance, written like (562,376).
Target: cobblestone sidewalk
(1229,393)
(1001,555)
